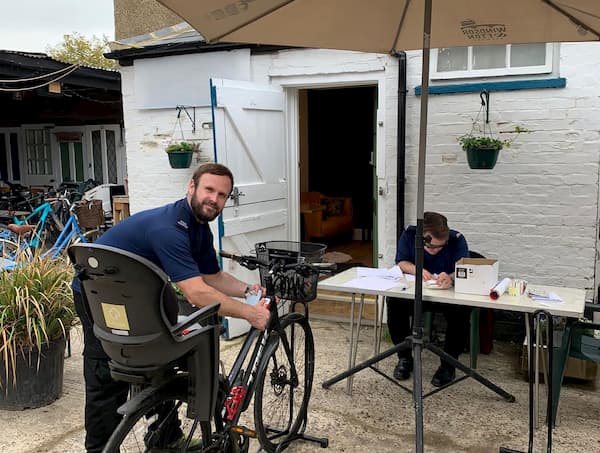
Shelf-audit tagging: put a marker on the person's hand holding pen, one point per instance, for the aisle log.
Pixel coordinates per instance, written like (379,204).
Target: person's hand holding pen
(428,275)
(443,280)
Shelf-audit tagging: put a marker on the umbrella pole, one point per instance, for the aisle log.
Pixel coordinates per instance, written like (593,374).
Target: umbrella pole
(418,308)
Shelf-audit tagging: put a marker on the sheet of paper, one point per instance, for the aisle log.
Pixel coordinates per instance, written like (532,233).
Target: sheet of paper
(374,283)
(551,297)
(392,273)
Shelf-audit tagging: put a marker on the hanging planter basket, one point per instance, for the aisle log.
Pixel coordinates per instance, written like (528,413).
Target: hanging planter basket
(180,159)
(482,158)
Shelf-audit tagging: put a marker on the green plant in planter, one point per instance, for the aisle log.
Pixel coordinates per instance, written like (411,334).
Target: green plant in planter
(36,310)
(180,154)
(180,147)
(482,150)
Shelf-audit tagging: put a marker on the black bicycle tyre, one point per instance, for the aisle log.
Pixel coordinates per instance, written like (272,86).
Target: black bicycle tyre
(273,384)
(177,392)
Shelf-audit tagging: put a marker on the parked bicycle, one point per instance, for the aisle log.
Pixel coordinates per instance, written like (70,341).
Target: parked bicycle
(274,366)
(14,247)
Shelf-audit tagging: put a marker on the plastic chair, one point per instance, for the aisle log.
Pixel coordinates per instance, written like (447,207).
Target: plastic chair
(474,329)
(578,341)
(134,311)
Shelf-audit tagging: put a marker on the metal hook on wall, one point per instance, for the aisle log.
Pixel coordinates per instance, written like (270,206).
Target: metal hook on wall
(192,120)
(486,103)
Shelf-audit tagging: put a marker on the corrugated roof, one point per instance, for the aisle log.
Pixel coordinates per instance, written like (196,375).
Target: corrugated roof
(43,56)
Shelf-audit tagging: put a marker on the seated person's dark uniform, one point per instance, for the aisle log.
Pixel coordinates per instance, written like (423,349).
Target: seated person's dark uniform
(170,237)
(400,311)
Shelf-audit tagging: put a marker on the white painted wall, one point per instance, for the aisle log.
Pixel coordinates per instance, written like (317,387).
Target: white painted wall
(537,211)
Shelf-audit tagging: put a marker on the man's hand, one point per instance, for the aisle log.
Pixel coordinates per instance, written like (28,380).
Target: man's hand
(427,275)
(260,315)
(444,280)
(256,288)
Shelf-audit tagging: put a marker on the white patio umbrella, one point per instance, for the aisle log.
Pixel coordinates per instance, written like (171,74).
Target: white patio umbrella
(384,26)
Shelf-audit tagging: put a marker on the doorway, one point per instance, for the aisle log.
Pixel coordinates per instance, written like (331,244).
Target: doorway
(337,155)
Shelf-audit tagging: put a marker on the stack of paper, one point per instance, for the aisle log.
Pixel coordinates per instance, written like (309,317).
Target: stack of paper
(544,296)
(377,279)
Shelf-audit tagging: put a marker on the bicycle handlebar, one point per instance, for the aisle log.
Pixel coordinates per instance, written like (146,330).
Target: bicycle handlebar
(276,264)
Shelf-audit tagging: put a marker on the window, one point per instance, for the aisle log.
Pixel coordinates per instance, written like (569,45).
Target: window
(483,61)
(39,156)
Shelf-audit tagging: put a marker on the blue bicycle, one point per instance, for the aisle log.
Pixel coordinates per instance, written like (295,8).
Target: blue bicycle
(15,247)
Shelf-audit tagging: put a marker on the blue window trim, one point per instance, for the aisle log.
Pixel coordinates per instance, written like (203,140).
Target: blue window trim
(559,82)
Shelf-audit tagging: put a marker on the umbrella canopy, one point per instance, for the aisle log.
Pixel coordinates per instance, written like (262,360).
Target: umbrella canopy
(387,25)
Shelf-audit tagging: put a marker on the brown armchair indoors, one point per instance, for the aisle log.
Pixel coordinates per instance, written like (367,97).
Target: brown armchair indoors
(325,216)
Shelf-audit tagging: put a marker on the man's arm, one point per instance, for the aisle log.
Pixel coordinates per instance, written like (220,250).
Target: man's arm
(410,268)
(201,293)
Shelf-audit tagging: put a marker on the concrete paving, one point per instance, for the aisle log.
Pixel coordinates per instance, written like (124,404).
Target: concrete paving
(378,417)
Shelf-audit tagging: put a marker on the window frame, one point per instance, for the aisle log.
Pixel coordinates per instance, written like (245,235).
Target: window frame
(33,160)
(547,68)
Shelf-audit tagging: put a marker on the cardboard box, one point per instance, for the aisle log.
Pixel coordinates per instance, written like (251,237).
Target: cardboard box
(475,275)
(576,368)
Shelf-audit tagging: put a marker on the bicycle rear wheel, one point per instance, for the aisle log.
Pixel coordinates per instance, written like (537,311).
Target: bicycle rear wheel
(282,395)
(158,425)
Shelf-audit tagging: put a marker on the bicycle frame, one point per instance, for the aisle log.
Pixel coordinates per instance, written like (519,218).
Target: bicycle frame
(70,230)
(43,210)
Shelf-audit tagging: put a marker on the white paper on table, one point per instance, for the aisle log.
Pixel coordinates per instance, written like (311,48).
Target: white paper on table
(392,273)
(374,283)
(550,298)
(409,277)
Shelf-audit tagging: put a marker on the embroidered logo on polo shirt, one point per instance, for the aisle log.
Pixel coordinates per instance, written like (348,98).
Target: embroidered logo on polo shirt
(182,224)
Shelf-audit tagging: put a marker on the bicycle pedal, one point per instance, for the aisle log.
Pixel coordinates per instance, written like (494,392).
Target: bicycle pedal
(244,431)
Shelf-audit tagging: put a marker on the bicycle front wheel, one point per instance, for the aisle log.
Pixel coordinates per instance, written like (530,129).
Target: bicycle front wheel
(12,252)
(284,383)
(157,425)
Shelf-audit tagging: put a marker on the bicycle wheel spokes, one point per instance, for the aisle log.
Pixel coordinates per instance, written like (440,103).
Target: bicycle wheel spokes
(284,384)
(158,428)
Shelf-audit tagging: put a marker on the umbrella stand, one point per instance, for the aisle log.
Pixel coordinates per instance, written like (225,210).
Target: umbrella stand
(417,341)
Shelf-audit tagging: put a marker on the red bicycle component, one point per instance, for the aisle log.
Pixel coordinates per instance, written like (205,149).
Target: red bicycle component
(232,404)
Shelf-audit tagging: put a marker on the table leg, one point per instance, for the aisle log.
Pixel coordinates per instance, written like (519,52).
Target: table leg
(349,382)
(356,335)
(380,304)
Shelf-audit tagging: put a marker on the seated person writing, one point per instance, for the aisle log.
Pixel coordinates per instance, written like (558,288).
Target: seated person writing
(442,249)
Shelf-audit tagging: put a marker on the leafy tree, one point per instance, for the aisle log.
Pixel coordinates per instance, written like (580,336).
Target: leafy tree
(77,49)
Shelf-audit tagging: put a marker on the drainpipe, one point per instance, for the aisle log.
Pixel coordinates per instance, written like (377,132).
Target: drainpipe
(401,144)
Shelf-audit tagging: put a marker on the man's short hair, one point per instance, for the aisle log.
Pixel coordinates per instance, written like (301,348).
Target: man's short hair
(212,169)
(436,225)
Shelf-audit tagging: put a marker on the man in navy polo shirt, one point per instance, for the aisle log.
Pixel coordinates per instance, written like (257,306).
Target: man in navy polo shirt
(176,238)
(442,249)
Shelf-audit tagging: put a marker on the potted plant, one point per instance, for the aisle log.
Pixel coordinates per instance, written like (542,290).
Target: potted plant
(180,154)
(36,314)
(482,150)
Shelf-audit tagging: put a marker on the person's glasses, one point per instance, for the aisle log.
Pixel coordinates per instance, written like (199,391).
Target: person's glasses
(431,246)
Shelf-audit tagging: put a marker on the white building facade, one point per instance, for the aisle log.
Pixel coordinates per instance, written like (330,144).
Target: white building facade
(536,211)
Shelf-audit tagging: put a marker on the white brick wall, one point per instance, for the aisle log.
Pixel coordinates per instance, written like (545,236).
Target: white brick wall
(536,211)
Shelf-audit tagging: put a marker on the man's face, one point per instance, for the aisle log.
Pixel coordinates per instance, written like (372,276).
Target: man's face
(208,197)
(433,245)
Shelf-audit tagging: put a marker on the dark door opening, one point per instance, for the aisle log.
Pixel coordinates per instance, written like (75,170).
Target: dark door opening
(337,155)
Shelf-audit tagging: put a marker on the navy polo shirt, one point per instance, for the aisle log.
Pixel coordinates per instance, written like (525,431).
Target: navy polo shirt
(170,237)
(443,261)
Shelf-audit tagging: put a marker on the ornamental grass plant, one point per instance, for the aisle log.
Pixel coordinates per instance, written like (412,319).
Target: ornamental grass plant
(36,308)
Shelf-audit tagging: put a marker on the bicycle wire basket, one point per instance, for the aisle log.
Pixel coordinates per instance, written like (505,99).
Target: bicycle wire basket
(90,213)
(290,285)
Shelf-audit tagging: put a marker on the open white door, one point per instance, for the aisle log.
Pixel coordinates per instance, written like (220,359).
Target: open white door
(248,121)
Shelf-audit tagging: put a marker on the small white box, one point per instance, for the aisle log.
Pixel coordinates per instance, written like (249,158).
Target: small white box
(475,275)
(234,327)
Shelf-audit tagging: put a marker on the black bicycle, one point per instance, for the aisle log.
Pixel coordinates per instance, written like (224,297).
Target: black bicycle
(276,366)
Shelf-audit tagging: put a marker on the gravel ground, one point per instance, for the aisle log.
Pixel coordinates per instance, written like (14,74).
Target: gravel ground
(378,417)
